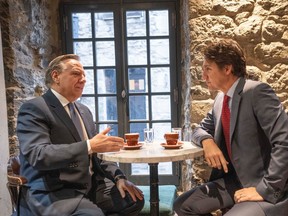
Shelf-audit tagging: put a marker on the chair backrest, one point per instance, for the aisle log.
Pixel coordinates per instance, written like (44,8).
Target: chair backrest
(15,181)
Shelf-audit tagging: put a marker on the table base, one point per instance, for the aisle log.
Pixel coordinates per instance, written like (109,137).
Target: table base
(154,189)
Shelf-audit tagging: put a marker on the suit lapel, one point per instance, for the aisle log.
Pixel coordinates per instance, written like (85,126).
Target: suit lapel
(57,108)
(235,106)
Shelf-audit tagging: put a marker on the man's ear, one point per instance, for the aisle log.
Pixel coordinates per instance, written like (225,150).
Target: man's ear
(55,76)
(228,69)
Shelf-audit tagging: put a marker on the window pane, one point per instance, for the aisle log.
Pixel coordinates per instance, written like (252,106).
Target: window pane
(140,169)
(161,107)
(104,25)
(107,108)
(137,52)
(81,25)
(165,168)
(106,81)
(89,86)
(138,128)
(160,129)
(136,23)
(105,53)
(143,169)
(137,80)
(90,103)
(159,23)
(84,50)
(160,79)
(138,107)
(112,132)
(159,51)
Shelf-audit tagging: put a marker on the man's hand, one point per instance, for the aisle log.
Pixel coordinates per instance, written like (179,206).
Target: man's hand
(247,194)
(103,143)
(125,185)
(214,155)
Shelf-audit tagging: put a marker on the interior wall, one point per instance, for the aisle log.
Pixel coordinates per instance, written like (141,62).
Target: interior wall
(5,203)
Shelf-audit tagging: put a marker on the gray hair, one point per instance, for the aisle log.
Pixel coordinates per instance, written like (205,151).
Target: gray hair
(57,64)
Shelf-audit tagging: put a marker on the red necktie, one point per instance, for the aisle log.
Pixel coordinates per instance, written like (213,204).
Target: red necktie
(225,117)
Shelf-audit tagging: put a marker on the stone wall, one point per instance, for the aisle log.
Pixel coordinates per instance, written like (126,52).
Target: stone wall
(259,26)
(30,33)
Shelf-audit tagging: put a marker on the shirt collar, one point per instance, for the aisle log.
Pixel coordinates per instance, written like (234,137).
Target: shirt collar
(232,88)
(60,97)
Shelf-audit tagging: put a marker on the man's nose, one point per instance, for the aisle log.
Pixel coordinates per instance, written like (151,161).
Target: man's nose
(204,75)
(83,78)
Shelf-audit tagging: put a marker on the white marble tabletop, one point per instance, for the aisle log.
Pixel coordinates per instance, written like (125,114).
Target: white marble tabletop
(153,153)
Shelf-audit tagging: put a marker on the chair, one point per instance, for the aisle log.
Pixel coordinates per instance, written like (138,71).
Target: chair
(15,182)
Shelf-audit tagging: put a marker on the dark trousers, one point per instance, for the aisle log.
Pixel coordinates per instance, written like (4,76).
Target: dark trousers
(108,198)
(105,200)
(212,196)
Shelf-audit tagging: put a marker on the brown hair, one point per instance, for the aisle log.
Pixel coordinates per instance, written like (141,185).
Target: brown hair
(227,52)
(56,64)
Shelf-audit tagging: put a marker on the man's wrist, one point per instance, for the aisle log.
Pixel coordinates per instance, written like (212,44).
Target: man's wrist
(118,177)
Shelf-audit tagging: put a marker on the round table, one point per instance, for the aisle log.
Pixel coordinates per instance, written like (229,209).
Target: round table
(153,154)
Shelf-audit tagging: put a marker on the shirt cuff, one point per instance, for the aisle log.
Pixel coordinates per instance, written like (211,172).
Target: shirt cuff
(89,147)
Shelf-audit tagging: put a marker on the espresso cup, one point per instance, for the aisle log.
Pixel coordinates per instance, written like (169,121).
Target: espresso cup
(171,138)
(131,138)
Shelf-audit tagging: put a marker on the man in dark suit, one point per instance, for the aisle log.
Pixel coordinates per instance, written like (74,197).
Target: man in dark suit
(245,140)
(59,160)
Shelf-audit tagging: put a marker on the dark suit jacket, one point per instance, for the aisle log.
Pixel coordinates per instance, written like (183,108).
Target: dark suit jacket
(53,158)
(259,142)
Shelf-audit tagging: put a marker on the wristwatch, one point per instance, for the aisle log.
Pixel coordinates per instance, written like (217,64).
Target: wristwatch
(116,178)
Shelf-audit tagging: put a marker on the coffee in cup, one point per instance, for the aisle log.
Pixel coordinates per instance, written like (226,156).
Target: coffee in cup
(171,138)
(131,138)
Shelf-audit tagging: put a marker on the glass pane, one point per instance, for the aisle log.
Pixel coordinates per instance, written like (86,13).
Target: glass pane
(137,52)
(136,23)
(89,86)
(104,25)
(81,25)
(158,23)
(138,107)
(90,103)
(107,107)
(85,51)
(160,129)
(160,79)
(105,53)
(159,51)
(113,131)
(138,128)
(143,169)
(140,169)
(161,107)
(106,81)
(165,168)
(137,80)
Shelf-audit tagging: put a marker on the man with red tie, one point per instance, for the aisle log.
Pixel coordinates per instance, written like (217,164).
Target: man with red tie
(245,141)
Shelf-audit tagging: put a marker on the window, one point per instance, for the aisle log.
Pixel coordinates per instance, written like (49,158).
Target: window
(129,52)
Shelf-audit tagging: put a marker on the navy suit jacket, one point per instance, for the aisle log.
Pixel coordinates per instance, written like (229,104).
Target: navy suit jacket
(259,142)
(53,158)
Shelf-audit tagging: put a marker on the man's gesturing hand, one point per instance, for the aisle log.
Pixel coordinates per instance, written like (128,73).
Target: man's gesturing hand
(103,143)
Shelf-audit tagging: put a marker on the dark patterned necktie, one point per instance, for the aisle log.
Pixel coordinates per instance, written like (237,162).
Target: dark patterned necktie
(76,120)
(225,118)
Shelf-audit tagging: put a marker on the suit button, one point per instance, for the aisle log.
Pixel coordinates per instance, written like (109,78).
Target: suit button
(277,194)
